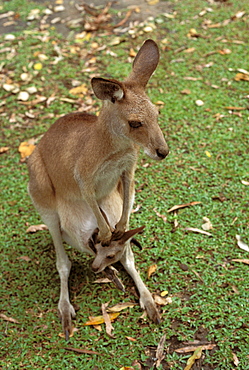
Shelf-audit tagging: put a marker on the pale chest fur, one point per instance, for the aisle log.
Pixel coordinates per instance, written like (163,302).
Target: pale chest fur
(110,171)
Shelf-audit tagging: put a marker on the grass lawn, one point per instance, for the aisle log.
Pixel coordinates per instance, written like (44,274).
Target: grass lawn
(202,90)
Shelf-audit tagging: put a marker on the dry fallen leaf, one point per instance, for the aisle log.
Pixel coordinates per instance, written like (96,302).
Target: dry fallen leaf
(199,102)
(224,51)
(244,182)
(186,92)
(25,258)
(35,228)
(238,15)
(85,351)
(246,261)
(120,306)
(37,66)
(241,244)
(102,281)
(189,50)
(23,96)
(207,225)
(161,301)
(132,53)
(183,206)
(241,77)
(193,348)
(4,149)
(9,319)
(25,149)
(131,339)
(163,217)
(79,90)
(97,320)
(151,270)
(235,359)
(108,326)
(198,231)
(235,108)
(197,354)
(160,351)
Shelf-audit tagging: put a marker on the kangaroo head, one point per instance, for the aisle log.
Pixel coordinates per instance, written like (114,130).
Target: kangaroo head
(108,255)
(129,111)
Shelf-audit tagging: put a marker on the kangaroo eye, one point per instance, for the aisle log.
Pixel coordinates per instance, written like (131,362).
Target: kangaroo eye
(135,124)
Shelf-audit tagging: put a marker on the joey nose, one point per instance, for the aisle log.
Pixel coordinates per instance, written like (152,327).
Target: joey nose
(162,152)
(95,268)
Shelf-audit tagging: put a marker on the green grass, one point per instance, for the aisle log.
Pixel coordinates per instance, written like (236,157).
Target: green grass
(212,294)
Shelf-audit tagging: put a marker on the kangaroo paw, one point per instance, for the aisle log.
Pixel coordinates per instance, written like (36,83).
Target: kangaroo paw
(66,313)
(147,303)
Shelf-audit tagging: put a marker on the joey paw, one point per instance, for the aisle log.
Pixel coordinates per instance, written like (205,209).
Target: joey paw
(117,234)
(105,239)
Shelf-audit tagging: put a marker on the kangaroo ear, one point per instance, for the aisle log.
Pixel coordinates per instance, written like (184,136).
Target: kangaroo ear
(145,63)
(130,233)
(107,89)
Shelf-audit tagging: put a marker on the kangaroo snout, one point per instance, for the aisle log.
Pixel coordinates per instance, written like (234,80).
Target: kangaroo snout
(162,152)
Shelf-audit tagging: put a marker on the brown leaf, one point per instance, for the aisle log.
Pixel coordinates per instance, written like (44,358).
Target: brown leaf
(132,53)
(85,351)
(193,348)
(131,339)
(235,108)
(151,270)
(97,320)
(244,182)
(102,281)
(183,206)
(108,326)
(207,225)
(25,258)
(235,359)
(161,301)
(189,50)
(163,217)
(238,15)
(241,244)
(197,354)
(224,51)
(186,92)
(25,149)
(9,319)
(160,351)
(198,231)
(35,228)
(79,90)
(4,149)
(246,261)
(241,77)
(120,306)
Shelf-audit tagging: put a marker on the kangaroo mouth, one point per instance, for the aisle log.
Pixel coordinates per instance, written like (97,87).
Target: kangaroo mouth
(157,154)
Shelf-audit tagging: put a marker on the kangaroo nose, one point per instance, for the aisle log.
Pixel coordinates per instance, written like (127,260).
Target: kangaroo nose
(162,152)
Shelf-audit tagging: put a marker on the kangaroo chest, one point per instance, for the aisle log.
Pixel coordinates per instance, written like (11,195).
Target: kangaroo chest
(109,172)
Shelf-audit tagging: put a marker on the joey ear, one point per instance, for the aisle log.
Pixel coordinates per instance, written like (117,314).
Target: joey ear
(145,63)
(107,89)
(130,233)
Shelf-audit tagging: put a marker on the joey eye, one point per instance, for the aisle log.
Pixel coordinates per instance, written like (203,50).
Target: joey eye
(135,124)
(110,257)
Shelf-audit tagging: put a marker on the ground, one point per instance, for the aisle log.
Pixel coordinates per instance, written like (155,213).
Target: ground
(194,204)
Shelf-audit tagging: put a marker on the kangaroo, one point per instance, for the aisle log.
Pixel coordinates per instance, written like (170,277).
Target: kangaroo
(86,163)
